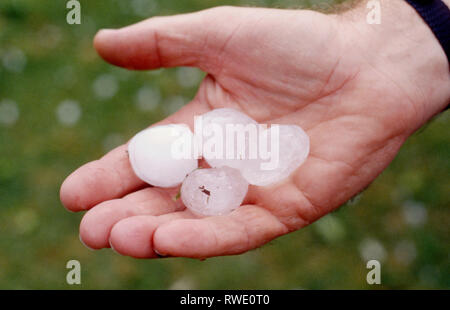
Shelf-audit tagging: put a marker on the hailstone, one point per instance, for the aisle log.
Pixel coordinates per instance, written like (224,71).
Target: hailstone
(219,119)
(293,149)
(225,116)
(283,157)
(161,155)
(214,191)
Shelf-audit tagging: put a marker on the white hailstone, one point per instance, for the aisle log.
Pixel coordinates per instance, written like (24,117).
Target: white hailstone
(162,155)
(105,86)
(68,112)
(270,162)
(215,191)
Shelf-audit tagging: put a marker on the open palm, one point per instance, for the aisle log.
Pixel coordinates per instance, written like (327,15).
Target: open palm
(277,66)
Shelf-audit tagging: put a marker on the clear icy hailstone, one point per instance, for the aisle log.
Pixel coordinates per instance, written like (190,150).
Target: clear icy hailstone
(162,155)
(269,162)
(283,159)
(215,191)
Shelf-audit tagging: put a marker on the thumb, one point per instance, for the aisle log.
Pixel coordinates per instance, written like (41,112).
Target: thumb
(193,39)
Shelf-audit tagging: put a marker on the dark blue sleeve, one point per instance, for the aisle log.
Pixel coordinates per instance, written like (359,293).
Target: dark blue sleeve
(437,16)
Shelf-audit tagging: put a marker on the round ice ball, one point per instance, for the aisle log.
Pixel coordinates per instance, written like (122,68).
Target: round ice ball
(215,124)
(215,191)
(293,149)
(162,155)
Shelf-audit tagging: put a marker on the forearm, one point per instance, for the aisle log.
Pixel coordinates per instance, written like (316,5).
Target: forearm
(405,49)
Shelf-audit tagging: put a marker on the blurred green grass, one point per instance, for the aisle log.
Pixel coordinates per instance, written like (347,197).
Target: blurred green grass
(402,218)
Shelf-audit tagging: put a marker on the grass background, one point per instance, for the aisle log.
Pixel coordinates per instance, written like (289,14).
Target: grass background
(402,219)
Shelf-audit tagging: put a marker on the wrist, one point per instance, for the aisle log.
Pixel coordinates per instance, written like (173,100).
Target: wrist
(404,49)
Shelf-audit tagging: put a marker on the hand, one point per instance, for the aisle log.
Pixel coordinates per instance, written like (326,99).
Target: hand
(358,90)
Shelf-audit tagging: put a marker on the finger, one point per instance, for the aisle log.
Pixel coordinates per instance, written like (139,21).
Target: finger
(133,236)
(107,178)
(244,229)
(112,177)
(97,223)
(183,40)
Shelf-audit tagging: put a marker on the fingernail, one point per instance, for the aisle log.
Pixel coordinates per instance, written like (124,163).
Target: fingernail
(160,255)
(105,31)
(82,242)
(112,248)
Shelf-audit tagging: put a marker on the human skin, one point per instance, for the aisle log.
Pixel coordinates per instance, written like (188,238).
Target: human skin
(358,90)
